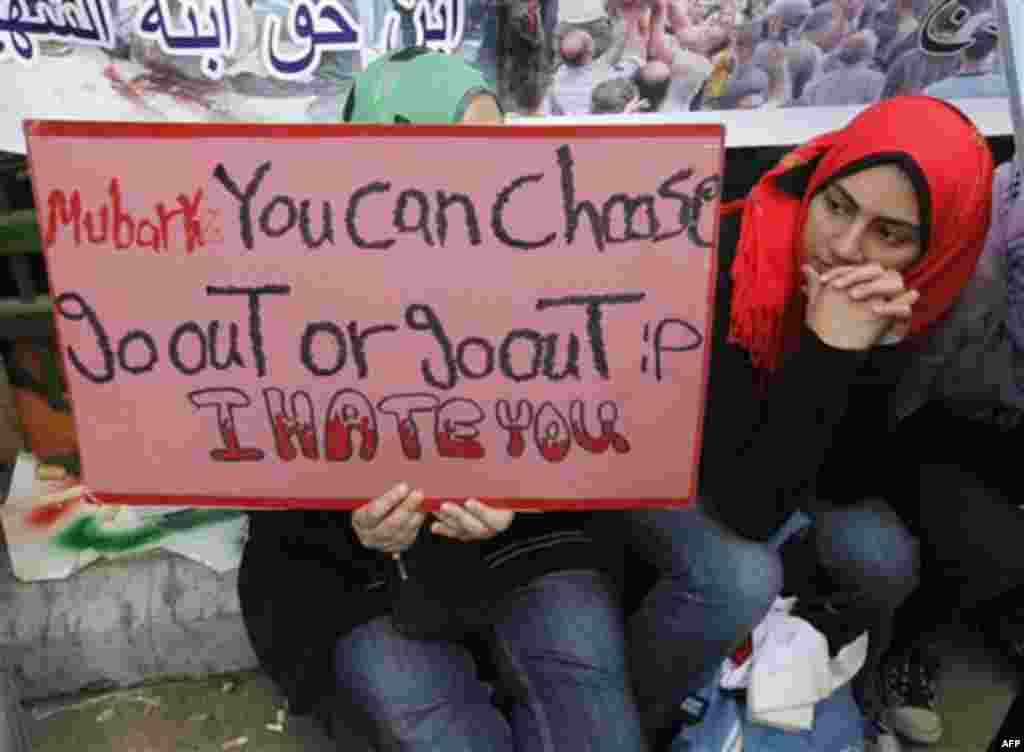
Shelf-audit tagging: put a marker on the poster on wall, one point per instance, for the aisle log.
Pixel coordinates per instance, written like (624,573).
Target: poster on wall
(288,61)
(282,316)
(774,71)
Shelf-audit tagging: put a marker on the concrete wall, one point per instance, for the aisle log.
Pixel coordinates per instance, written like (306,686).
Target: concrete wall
(118,623)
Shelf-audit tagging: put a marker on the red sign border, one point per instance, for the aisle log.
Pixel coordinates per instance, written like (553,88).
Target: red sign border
(118,129)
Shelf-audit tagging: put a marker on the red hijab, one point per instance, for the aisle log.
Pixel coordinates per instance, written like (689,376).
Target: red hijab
(954,170)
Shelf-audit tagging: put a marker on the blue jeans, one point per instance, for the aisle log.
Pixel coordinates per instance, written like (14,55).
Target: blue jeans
(713,587)
(873,559)
(559,647)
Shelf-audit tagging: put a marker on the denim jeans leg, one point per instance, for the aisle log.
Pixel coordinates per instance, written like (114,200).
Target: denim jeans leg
(560,649)
(713,588)
(422,695)
(873,558)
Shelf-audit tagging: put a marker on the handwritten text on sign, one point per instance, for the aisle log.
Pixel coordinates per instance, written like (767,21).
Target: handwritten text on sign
(293,316)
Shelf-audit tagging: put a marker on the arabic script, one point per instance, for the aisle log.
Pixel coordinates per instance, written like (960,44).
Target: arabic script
(292,47)
(24,23)
(209,32)
(437,24)
(314,26)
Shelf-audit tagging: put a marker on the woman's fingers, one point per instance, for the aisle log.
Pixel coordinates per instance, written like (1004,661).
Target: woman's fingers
(885,286)
(842,277)
(468,525)
(411,525)
(853,308)
(371,515)
(899,312)
(472,521)
(391,522)
(439,527)
(864,280)
(900,307)
(404,517)
(497,520)
(884,289)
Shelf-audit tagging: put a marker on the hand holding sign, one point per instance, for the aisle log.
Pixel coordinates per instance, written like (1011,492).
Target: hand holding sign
(390,523)
(472,522)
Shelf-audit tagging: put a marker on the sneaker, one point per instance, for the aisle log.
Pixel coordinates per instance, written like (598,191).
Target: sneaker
(880,738)
(909,692)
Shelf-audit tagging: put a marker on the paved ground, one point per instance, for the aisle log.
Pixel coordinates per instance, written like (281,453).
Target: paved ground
(200,716)
(210,715)
(976,689)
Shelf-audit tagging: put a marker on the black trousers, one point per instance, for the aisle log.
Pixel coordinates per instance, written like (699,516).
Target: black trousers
(966,515)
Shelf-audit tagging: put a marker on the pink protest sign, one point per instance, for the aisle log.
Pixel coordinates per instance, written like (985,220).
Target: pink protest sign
(302,316)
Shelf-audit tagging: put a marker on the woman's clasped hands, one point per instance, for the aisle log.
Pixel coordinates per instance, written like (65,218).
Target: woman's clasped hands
(391,522)
(857,307)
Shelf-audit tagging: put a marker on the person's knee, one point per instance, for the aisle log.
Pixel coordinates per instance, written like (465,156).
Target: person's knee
(869,543)
(363,662)
(756,575)
(383,669)
(566,626)
(414,693)
(716,565)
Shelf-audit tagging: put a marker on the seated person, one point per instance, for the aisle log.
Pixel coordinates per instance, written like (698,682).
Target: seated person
(384,611)
(847,254)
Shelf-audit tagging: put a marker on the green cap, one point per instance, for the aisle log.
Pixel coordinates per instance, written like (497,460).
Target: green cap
(414,85)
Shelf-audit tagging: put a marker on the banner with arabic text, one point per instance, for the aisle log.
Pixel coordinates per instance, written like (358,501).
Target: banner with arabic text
(289,61)
(744,63)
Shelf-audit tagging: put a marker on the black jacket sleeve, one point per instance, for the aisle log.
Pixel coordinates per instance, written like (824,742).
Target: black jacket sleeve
(304,581)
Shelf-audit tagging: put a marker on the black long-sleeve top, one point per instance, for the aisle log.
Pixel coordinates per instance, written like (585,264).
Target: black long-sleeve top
(818,426)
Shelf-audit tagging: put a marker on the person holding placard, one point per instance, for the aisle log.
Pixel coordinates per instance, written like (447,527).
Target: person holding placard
(385,610)
(847,254)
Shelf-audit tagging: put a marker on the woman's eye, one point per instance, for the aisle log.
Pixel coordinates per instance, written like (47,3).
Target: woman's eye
(835,206)
(892,236)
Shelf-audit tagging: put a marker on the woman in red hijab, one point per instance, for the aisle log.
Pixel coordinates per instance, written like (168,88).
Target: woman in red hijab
(831,273)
